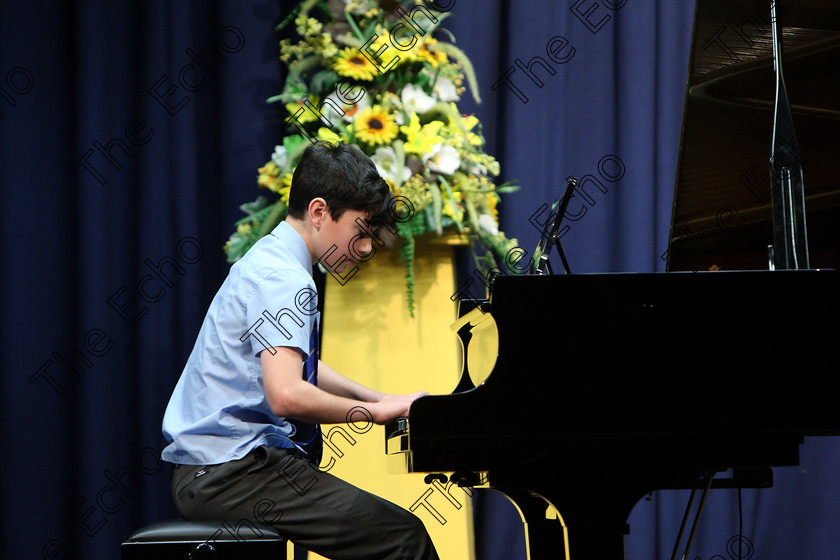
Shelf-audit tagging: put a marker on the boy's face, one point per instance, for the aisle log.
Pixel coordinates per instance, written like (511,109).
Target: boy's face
(344,241)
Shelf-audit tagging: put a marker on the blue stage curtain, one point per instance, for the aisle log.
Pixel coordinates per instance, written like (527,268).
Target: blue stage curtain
(130,133)
(133,135)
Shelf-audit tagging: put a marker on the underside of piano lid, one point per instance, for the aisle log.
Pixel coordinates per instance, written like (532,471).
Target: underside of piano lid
(722,214)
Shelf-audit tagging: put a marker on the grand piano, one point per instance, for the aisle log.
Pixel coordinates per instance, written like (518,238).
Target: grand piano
(668,379)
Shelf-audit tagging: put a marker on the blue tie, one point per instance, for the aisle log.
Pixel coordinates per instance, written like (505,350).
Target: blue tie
(308,435)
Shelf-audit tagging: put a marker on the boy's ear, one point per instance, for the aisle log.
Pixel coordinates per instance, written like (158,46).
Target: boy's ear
(318,211)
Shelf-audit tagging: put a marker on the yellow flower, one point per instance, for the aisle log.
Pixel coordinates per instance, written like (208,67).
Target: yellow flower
(492,200)
(469,121)
(326,46)
(417,191)
(420,139)
(269,178)
(448,207)
(307,115)
(462,125)
(307,26)
(352,64)
(432,57)
(283,190)
(325,133)
(389,57)
(374,126)
(267,173)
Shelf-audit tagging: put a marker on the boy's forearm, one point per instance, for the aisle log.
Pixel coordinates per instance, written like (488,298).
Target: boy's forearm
(333,382)
(306,402)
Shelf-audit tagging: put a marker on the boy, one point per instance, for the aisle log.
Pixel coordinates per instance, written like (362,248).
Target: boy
(243,421)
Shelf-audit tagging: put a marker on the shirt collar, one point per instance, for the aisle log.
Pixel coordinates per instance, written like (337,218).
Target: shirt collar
(293,240)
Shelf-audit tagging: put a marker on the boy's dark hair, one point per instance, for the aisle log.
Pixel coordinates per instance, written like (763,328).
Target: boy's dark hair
(342,175)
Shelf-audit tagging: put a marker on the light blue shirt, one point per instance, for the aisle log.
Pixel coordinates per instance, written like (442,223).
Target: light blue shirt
(218,411)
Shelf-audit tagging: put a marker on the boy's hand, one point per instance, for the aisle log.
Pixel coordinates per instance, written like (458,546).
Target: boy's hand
(391,407)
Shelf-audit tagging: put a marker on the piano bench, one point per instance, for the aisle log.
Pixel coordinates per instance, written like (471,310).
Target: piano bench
(204,540)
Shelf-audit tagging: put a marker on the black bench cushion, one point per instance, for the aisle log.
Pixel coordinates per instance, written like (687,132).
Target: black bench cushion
(178,530)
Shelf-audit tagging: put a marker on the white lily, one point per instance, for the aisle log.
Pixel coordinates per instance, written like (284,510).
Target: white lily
(280,157)
(488,224)
(350,109)
(442,159)
(445,90)
(385,159)
(416,100)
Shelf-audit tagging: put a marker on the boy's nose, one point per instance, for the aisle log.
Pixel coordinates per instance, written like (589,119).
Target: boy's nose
(365,246)
(360,247)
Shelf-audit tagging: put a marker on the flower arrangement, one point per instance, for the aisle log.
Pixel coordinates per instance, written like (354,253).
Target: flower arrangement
(371,73)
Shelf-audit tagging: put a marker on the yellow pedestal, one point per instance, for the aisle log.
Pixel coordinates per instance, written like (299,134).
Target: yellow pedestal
(370,337)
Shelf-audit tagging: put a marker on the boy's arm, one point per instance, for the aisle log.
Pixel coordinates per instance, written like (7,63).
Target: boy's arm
(289,395)
(333,382)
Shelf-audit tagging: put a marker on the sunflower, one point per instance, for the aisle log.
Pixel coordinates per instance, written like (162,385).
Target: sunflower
(352,64)
(374,126)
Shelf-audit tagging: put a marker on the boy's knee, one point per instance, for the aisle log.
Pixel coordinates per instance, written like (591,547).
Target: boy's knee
(416,526)
(420,542)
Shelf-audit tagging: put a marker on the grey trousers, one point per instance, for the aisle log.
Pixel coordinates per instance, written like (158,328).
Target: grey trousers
(313,509)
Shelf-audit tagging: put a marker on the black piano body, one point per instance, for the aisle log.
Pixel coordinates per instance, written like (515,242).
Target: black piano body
(623,384)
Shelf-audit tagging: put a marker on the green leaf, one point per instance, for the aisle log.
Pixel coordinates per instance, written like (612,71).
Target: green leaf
(506,184)
(452,204)
(447,33)
(349,133)
(433,26)
(446,110)
(399,150)
(294,155)
(289,18)
(253,207)
(290,94)
(471,212)
(274,217)
(257,217)
(238,247)
(354,27)
(296,87)
(370,30)
(292,143)
(307,5)
(407,256)
(301,67)
(323,81)
(348,41)
(437,207)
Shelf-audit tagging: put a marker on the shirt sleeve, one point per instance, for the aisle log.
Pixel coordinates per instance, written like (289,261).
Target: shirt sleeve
(279,312)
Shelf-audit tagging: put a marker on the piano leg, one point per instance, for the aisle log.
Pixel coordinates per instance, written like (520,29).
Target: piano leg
(545,535)
(591,527)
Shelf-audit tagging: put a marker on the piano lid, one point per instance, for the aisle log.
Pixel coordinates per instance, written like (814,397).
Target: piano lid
(722,212)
